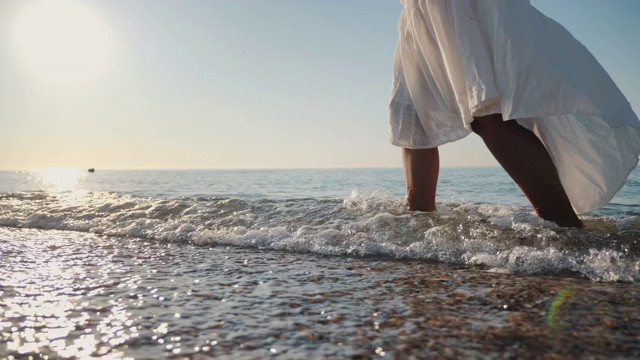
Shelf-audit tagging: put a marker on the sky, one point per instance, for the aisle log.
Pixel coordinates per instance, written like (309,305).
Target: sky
(206,84)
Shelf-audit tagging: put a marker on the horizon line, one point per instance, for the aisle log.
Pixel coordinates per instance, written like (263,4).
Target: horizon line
(232,168)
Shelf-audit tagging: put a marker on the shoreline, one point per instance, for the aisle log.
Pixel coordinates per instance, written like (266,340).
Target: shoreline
(71,294)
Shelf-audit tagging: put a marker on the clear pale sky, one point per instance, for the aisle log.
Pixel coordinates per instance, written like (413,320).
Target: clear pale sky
(231,83)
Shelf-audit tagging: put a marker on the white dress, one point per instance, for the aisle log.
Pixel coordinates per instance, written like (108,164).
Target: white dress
(459,59)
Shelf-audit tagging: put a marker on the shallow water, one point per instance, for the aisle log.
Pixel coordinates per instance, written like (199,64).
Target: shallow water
(131,298)
(319,263)
(366,224)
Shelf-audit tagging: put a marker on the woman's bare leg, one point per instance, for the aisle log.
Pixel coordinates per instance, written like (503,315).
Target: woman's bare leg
(421,169)
(527,161)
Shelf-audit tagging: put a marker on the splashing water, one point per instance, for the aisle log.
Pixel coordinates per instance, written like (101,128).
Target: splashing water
(367,224)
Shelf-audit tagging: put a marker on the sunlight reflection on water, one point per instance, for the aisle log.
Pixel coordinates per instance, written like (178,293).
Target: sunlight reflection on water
(72,295)
(47,303)
(58,180)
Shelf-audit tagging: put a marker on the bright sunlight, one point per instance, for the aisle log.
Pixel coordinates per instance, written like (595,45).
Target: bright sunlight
(64,42)
(59,179)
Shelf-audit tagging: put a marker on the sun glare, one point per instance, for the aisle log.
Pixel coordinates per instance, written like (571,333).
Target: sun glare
(59,180)
(62,41)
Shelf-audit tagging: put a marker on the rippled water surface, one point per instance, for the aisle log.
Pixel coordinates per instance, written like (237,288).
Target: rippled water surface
(71,300)
(131,298)
(327,263)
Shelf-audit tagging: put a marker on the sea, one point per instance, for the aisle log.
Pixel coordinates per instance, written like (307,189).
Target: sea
(308,263)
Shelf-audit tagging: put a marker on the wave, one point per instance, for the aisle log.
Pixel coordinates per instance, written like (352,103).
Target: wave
(369,224)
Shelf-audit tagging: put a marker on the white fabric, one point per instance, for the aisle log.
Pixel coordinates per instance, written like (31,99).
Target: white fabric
(459,59)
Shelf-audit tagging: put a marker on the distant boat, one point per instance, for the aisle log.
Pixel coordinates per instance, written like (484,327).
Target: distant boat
(92,170)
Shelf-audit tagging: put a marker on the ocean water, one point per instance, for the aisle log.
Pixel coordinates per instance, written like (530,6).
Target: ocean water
(482,219)
(249,263)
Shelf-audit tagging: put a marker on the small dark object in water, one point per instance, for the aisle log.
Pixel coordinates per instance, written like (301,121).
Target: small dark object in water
(92,170)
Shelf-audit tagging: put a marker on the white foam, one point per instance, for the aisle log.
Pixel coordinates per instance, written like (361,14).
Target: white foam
(366,224)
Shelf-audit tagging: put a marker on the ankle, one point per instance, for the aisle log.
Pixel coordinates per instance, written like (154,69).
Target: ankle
(562,219)
(420,203)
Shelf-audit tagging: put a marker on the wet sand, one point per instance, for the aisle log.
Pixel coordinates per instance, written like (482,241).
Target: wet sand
(67,294)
